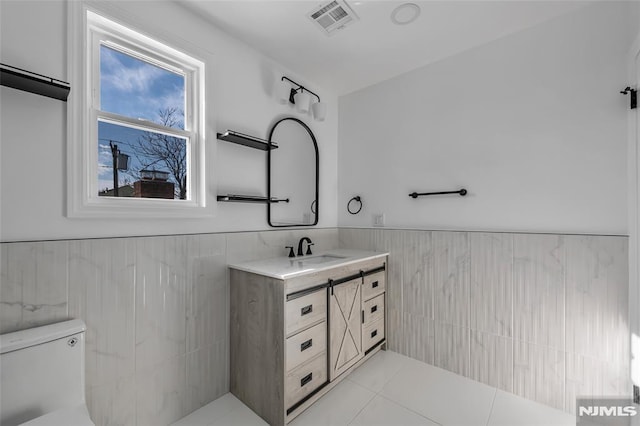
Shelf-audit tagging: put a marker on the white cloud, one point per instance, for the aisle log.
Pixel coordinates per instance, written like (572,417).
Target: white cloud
(136,80)
(172,99)
(105,161)
(135,76)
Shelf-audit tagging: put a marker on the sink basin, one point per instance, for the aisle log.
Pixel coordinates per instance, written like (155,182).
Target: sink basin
(320,259)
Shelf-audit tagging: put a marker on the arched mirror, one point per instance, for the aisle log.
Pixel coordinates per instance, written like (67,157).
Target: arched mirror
(292,174)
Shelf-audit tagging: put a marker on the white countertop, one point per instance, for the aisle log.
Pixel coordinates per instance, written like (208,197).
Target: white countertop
(289,267)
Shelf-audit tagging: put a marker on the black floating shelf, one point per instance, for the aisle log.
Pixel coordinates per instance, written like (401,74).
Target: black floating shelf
(246,140)
(35,83)
(249,199)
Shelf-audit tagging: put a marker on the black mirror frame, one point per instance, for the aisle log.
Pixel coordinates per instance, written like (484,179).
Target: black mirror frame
(269,151)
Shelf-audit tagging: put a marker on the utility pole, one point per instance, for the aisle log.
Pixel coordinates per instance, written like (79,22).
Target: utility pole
(114,153)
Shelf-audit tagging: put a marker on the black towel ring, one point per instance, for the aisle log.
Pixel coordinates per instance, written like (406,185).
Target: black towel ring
(356,199)
(313,206)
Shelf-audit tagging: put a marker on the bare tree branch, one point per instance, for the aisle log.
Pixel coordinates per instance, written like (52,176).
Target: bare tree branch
(169,151)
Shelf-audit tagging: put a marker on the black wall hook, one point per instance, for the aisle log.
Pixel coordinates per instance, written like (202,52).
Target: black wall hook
(633,96)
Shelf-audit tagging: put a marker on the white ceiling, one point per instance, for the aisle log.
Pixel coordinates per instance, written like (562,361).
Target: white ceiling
(373,49)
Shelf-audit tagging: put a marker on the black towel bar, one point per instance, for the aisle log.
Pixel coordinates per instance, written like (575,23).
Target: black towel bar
(462,192)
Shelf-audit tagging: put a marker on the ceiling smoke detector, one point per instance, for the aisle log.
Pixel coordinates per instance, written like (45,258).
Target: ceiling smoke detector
(332,16)
(405,14)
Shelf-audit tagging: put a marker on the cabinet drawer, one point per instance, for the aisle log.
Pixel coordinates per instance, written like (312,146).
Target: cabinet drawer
(372,334)
(373,285)
(306,310)
(373,309)
(303,380)
(305,345)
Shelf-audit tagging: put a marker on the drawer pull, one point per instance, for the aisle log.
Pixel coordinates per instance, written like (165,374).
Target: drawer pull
(306,379)
(306,345)
(374,333)
(374,308)
(306,310)
(374,284)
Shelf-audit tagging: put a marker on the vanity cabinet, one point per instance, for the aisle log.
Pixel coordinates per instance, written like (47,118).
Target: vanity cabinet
(295,336)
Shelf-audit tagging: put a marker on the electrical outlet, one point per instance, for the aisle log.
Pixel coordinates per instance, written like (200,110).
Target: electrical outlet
(636,394)
(378,219)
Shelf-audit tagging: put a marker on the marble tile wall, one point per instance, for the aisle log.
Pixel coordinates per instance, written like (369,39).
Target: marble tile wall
(541,316)
(156,309)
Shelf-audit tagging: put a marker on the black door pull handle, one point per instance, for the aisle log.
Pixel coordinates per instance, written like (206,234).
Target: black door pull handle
(306,379)
(306,345)
(306,310)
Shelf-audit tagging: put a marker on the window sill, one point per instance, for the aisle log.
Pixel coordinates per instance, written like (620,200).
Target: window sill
(123,208)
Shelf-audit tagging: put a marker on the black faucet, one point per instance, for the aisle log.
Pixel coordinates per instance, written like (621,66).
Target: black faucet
(301,243)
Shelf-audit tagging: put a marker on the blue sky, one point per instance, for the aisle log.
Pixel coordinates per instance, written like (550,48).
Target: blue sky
(136,89)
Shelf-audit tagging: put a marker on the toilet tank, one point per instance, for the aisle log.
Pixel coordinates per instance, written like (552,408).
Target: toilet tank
(41,370)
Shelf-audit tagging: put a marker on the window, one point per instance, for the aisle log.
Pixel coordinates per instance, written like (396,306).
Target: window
(134,159)
(140,146)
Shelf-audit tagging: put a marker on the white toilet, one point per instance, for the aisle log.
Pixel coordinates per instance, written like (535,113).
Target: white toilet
(42,376)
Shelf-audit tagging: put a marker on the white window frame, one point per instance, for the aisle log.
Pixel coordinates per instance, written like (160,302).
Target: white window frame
(91,31)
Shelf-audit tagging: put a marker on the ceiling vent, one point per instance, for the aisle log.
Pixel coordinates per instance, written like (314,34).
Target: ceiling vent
(333,16)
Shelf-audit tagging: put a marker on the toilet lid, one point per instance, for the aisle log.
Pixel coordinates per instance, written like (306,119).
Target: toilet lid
(75,416)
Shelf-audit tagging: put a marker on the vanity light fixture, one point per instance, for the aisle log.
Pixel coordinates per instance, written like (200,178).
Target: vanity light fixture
(300,96)
(302,99)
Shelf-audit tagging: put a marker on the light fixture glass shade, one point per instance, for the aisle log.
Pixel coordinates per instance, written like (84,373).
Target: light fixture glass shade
(302,100)
(319,110)
(283,91)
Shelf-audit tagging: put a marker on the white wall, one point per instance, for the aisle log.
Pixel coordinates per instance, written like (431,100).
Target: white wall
(634,181)
(531,124)
(33,135)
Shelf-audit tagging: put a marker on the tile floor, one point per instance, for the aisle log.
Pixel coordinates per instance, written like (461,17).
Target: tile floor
(391,389)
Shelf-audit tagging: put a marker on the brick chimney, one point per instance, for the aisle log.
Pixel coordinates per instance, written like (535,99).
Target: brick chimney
(153,184)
